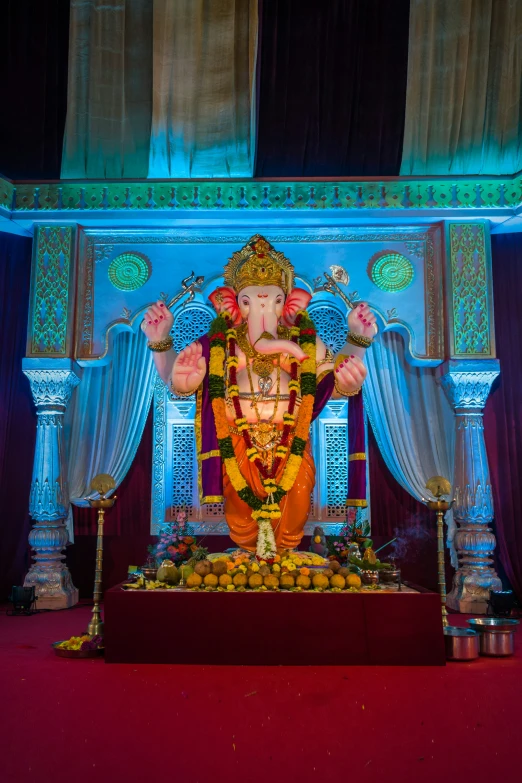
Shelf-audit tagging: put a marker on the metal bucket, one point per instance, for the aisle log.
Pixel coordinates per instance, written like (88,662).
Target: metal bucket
(462,644)
(497,635)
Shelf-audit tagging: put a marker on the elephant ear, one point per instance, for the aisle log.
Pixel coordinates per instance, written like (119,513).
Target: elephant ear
(296,300)
(224,298)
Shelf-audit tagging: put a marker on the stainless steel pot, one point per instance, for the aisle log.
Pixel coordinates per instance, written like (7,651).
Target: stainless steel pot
(497,635)
(462,644)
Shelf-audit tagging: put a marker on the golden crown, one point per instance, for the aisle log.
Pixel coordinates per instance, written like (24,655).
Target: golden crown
(257,263)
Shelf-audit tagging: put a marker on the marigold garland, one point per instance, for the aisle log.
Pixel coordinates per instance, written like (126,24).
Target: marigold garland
(223,335)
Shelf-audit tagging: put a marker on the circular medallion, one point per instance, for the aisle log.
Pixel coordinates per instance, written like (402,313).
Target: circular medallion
(391,272)
(129,271)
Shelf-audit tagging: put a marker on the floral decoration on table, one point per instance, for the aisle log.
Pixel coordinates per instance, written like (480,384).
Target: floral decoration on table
(241,571)
(176,542)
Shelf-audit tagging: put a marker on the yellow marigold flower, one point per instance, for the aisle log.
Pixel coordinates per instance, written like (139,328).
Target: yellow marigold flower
(231,587)
(276,568)
(233,390)
(255,566)
(217,361)
(243,568)
(292,567)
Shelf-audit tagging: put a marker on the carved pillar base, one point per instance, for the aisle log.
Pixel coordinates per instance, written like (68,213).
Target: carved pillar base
(51,385)
(467,385)
(49,574)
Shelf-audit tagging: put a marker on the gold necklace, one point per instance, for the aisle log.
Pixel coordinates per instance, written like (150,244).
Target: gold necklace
(261,395)
(263,364)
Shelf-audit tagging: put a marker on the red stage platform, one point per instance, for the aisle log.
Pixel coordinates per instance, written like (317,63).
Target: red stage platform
(184,627)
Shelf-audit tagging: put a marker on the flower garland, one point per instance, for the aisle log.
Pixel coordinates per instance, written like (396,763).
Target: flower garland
(263,509)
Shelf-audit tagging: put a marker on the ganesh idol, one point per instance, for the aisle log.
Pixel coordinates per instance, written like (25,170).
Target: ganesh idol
(261,375)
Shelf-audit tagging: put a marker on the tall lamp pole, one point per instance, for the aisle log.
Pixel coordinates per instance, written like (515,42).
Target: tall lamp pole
(439,487)
(101,484)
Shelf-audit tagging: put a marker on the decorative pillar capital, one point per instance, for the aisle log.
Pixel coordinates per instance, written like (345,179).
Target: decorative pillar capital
(467,383)
(52,382)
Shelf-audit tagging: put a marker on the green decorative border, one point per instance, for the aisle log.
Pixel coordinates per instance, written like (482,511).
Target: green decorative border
(470,290)
(398,195)
(51,282)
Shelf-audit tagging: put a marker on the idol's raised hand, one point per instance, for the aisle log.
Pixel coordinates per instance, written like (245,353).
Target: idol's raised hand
(362,321)
(189,369)
(350,374)
(157,322)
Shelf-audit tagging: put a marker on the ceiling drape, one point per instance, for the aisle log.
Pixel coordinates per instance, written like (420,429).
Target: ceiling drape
(109,105)
(463,103)
(203,88)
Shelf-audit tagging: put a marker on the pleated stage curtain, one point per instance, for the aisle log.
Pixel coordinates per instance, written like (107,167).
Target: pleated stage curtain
(17,413)
(503,413)
(332,87)
(106,417)
(109,106)
(463,105)
(33,87)
(203,88)
(411,418)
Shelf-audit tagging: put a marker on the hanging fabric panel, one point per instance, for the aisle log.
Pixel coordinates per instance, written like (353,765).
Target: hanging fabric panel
(203,90)
(109,108)
(105,419)
(411,418)
(463,101)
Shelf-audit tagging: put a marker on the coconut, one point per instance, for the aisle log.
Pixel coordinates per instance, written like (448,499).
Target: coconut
(327,572)
(320,581)
(219,567)
(240,580)
(264,570)
(344,572)
(256,580)
(334,565)
(286,581)
(271,581)
(224,580)
(210,580)
(167,572)
(337,581)
(194,580)
(203,568)
(303,581)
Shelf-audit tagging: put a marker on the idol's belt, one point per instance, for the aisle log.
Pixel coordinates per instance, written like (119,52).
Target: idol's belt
(267,398)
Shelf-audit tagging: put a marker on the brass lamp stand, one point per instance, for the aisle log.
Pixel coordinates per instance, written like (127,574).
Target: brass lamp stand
(101,483)
(438,487)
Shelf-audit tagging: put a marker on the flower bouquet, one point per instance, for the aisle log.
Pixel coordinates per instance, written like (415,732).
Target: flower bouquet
(176,542)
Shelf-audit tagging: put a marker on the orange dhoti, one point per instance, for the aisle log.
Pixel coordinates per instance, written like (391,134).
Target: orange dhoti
(295,506)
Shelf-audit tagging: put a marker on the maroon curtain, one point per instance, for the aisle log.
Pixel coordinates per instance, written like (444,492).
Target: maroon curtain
(332,87)
(503,413)
(17,413)
(33,87)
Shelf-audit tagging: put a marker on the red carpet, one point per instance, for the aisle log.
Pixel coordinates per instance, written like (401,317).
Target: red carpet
(76,721)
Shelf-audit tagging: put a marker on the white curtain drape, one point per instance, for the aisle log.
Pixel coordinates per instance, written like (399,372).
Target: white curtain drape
(412,420)
(106,417)
(109,94)
(464,89)
(204,63)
